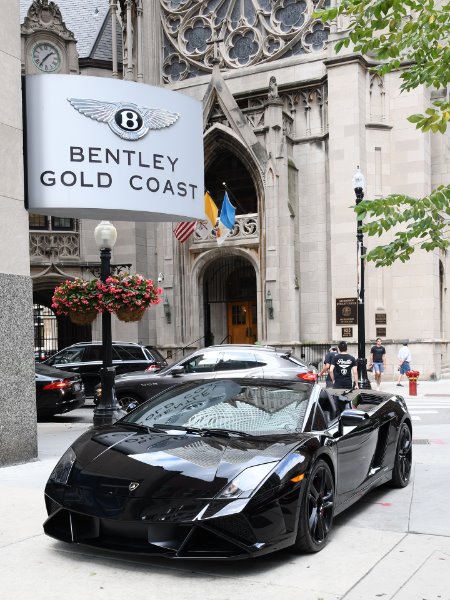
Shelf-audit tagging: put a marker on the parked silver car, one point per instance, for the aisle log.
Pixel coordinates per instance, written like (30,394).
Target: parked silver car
(231,360)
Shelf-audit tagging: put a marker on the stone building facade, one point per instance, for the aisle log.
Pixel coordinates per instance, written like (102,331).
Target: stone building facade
(18,414)
(286,122)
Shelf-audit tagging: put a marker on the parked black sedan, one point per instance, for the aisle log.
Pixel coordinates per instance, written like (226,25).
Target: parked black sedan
(226,360)
(57,391)
(230,468)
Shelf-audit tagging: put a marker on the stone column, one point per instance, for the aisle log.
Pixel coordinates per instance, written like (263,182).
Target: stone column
(139,11)
(18,431)
(347,149)
(152,43)
(279,230)
(113,10)
(128,41)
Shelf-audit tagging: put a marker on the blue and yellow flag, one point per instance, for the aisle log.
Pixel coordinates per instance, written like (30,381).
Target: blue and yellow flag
(227,220)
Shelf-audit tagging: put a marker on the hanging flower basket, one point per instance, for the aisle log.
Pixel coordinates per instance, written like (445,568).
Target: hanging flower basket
(128,296)
(79,299)
(128,315)
(83,318)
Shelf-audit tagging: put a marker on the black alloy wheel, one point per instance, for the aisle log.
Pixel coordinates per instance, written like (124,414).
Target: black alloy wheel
(316,512)
(124,400)
(403,458)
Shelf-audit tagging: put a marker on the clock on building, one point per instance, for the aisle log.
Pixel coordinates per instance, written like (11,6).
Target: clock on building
(46,56)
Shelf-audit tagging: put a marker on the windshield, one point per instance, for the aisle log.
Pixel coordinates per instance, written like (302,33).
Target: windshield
(230,405)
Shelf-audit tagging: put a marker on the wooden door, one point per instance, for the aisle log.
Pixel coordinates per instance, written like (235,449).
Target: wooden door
(242,322)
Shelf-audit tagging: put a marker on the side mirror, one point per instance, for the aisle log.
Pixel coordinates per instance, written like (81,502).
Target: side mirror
(353,417)
(177,371)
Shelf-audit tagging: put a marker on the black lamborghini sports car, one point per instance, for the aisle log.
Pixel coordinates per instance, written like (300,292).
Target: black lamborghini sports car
(229,468)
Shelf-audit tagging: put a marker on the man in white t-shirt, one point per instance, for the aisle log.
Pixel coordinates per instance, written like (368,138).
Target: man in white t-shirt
(404,360)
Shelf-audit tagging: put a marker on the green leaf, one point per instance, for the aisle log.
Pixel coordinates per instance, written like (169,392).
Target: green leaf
(415,118)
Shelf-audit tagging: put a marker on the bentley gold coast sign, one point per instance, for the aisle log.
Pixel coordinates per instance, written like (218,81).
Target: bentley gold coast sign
(105,148)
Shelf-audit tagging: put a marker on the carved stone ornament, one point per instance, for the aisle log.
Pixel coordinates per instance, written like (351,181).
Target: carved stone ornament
(45,16)
(273,89)
(237,33)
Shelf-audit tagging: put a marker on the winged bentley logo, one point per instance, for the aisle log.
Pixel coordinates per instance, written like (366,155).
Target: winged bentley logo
(129,121)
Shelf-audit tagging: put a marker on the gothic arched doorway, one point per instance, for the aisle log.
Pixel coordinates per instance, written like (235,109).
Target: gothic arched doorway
(228,168)
(229,292)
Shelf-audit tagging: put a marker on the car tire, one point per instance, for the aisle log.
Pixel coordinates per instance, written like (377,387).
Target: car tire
(316,511)
(403,458)
(124,400)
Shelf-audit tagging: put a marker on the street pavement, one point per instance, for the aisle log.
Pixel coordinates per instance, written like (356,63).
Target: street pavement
(392,545)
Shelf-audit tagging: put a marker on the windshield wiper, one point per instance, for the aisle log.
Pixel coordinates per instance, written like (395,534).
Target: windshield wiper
(218,431)
(203,430)
(169,426)
(147,428)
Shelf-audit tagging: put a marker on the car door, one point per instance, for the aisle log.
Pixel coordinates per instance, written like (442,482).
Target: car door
(356,445)
(86,360)
(68,359)
(200,365)
(89,369)
(130,358)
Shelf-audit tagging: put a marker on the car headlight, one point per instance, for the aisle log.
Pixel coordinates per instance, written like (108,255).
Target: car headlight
(61,472)
(245,483)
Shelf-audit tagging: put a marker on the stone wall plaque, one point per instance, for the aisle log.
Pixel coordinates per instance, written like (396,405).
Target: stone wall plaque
(346,311)
(380,319)
(347,332)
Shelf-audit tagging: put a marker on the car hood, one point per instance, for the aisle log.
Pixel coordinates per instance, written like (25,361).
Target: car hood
(169,465)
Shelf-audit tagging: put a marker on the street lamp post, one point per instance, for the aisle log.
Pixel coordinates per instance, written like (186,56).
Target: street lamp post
(107,410)
(363,380)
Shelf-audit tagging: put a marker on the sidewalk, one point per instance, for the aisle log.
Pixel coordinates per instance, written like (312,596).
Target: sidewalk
(394,544)
(425,389)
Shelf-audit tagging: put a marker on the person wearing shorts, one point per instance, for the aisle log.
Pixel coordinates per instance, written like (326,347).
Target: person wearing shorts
(404,362)
(378,361)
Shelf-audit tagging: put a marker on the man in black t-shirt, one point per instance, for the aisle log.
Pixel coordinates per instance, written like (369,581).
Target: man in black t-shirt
(327,364)
(378,360)
(342,368)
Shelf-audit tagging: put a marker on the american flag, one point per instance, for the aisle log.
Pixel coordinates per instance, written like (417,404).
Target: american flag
(184,230)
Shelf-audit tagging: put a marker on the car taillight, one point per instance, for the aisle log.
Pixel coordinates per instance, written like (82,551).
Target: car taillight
(152,368)
(61,384)
(309,376)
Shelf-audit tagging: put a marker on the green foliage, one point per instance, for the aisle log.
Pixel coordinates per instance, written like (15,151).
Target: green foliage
(410,35)
(422,223)
(435,119)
